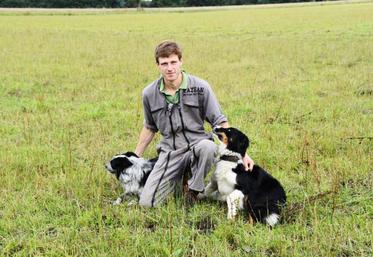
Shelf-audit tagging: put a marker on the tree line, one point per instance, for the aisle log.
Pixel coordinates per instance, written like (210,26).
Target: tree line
(133,3)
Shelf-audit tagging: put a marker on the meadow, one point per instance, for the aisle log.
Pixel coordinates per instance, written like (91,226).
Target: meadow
(298,81)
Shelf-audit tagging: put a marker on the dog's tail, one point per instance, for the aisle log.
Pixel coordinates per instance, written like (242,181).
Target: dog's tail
(266,214)
(272,219)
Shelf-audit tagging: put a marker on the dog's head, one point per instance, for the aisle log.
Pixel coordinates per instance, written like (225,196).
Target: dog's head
(119,163)
(232,139)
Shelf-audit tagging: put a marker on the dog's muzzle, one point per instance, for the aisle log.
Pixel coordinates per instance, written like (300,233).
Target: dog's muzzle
(215,129)
(108,167)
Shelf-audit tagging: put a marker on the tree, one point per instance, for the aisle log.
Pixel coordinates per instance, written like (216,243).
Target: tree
(168,3)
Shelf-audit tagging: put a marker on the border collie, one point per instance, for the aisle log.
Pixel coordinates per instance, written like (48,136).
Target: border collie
(256,192)
(132,173)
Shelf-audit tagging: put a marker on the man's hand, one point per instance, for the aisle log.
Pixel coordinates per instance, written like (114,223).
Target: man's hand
(248,163)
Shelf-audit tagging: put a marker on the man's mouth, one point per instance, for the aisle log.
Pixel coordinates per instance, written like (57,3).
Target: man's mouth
(171,75)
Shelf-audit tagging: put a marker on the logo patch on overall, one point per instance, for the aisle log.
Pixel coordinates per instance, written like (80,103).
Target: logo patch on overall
(194,91)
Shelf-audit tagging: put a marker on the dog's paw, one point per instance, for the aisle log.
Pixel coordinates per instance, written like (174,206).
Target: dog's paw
(201,196)
(232,210)
(118,201)
(132,202)
(234,203)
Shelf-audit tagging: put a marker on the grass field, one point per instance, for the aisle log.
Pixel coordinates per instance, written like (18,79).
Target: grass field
(298,81)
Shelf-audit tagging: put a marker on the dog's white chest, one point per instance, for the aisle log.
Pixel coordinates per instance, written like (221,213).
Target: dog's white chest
(225,177)
(130,184)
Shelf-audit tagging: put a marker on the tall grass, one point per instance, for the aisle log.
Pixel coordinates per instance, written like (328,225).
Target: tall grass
(297,80)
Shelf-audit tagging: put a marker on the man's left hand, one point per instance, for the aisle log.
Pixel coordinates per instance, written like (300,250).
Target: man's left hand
(248,163)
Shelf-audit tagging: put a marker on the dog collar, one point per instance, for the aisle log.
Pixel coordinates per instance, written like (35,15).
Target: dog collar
(229,158)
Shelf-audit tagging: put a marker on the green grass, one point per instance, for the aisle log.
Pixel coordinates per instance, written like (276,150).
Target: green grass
(297,80)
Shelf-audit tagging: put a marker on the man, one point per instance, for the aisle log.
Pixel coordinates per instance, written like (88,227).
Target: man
(176,105)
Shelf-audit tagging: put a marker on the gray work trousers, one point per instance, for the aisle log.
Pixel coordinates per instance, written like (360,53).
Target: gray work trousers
(169,169)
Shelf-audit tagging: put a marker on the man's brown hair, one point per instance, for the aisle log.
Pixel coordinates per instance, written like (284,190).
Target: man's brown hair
(166,49)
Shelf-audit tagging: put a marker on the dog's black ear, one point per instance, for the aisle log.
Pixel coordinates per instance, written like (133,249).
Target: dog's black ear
(248,143)
(120,163)
(129,154)
(243,145)
(238,142)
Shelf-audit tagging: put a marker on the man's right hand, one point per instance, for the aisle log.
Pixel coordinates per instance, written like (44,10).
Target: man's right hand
(248,163)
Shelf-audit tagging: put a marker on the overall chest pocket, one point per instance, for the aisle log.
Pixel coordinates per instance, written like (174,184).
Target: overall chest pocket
(159,115)
(193,114)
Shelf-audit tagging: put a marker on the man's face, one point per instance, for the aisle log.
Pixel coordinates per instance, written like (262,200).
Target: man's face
(170,67)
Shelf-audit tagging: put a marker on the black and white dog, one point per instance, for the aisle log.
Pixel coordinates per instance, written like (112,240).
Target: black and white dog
(256,191)
(132,173)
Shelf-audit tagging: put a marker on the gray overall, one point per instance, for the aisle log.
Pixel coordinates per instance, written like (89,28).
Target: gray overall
(184,140)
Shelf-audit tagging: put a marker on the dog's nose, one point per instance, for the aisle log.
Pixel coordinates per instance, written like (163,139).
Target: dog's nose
(215,129)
